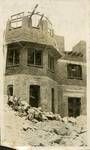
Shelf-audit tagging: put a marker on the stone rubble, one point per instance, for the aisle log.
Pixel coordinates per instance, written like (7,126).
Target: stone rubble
(39,128)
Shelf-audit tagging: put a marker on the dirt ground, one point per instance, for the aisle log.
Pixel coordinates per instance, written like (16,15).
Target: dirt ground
(18,131)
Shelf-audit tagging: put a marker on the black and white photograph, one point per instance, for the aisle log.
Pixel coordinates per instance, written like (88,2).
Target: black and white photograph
(44,55)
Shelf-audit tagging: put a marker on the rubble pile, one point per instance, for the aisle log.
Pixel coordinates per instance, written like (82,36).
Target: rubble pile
(31,113)
(38,128)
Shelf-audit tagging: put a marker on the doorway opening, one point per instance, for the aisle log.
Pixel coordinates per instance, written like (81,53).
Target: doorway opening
(52,91)
(34,99)
(10,90)
(74,106)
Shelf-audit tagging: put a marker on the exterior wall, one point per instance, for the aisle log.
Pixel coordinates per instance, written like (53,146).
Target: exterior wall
(70,87)
(71,91)
(24,68)
(80,47)
(61,73)
(21,84)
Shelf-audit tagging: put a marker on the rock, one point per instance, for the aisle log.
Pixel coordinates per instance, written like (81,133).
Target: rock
(31,114)
(82,131)
(15,107)
(39,108)
(36,114)
(41,144)
(44,118)
(31,111)
(77,142)
(25,105)
(73,134)
(10,100)
(81,121)
(58,140)
(50,115)
(58,117)
(25,127)
(65,120)
(35,121)
(72,120)
(60,131)
(40,117)
(30,117)
(28,128)
(77,129)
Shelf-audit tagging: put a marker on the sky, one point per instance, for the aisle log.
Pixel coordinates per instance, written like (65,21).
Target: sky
(69,17)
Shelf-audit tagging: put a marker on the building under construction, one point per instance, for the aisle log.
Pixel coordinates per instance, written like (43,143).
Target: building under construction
(39,70)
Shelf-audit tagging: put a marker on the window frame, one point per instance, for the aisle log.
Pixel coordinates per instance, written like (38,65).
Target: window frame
(14,57)
(8,89)
(50,64)
(34,51)
(72,71)
(16,24)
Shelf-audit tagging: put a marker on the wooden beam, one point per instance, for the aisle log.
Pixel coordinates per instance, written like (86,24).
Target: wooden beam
(33,11)
(40,20)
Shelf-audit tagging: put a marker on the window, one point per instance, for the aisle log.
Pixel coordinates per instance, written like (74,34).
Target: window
(16,20)
(35,20)
(16,24)
(52,95)
(74,106)
(10,90)
(51,63)
(74,71)
(35,57)
(12,57)
(34,98)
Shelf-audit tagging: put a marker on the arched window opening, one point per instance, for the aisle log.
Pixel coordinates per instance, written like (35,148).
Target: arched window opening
(10,90)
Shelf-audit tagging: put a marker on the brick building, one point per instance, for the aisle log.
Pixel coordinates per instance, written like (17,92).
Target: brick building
(40,71)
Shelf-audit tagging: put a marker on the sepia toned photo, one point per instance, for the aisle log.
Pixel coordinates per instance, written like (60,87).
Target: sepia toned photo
(45,73)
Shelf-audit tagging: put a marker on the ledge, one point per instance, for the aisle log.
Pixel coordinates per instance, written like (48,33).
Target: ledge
(38,66)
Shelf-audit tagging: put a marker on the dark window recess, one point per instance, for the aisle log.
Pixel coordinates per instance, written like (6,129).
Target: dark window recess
(30,57)
(35,57)
(34,95)
(51,63)
(74,71)
(52,91)
(74,106)
(12,57)
(10,90)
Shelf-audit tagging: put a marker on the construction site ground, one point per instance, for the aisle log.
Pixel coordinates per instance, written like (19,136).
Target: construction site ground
(19,131)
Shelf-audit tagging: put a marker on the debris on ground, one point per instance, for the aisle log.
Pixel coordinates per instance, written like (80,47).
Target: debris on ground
(35,127)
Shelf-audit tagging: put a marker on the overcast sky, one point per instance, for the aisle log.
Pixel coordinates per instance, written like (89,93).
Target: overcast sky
(69,17)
